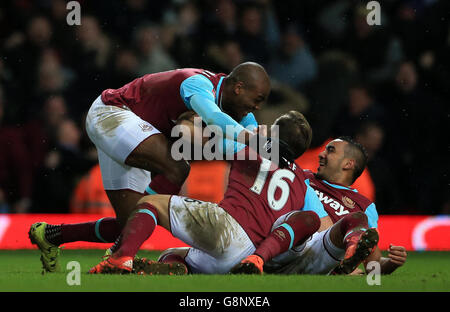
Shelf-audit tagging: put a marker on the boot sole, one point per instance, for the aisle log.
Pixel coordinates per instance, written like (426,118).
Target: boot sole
(46,268)
(368,240)
(146,267)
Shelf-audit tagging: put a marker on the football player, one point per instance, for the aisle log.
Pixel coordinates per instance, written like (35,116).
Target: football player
(347,236)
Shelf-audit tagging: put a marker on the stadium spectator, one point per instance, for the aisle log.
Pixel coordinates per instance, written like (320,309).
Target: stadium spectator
(405,25)
(64,165)
(23,52)
(332,23)
(376,50)
(328,93)
(39,132)
(293,65)
(387,196)
(62,33)
(250,34)
(224,22)
(225,55)
(94,42)
(187,42)
(415,115)
(91,56)
(52,78)
(151,55)
(361,106)
(434,61)
(16,183)
(225,19)
(125,68)
(119,19)
(232,55)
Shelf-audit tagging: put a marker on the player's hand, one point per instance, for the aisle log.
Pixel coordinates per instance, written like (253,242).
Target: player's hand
(397,255)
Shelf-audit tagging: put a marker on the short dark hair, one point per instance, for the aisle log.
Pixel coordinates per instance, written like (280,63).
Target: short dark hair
(295,131)
(358,152)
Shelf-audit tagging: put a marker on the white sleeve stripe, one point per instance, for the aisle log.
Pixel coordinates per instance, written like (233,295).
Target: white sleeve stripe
(208,73)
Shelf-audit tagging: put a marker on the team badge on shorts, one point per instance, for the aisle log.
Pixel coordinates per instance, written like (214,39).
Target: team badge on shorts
(146,127)
(348,202)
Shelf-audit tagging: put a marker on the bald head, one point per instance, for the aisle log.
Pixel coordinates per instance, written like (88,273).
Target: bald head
(251,74)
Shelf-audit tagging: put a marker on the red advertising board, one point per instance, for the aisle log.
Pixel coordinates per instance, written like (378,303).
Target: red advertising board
(412,232)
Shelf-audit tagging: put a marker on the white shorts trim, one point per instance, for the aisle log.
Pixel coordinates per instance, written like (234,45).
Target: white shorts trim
(218,240)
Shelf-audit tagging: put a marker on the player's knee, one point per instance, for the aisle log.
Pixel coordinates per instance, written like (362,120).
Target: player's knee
(307,219)
(153,200)
(352,220)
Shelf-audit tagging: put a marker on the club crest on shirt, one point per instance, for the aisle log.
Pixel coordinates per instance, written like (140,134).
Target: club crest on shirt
(146,127)
(349,203)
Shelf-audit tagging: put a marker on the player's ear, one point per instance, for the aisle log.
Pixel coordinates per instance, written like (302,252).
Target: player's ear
(349,164)
(238,87)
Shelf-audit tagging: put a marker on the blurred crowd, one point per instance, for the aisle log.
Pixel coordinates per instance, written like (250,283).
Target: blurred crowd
(387,85)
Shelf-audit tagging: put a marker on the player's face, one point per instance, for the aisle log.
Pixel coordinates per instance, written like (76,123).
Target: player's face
(331,160)
(247,100)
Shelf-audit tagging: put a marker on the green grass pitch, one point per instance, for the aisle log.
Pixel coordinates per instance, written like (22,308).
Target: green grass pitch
(20,271)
